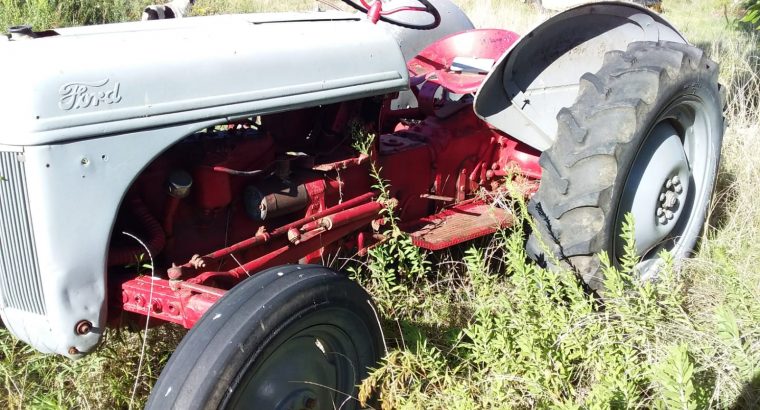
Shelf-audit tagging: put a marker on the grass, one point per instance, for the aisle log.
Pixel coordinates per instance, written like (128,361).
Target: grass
(487,329)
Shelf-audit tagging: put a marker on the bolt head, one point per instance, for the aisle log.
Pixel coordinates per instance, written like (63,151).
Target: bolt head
(662,197)
(676,180)
(679,189)
(663,220)
(83,327)
(669,214)
(668,184)
(660,212)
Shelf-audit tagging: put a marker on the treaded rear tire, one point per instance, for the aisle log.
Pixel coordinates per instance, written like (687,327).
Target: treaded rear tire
(578,206)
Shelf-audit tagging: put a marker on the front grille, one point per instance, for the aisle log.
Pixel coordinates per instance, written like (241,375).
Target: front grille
(20,281)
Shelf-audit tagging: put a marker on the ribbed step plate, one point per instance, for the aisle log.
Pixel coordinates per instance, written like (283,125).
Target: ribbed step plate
(459,224)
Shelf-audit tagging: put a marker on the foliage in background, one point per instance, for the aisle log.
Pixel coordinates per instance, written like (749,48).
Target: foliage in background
(489,329)
(47,14)
(752,15)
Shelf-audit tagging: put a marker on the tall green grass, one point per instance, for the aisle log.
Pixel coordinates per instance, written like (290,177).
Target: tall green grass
(534,339)
(480,327)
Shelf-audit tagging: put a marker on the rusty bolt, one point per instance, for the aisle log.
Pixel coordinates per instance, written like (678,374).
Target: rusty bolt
(73,350)
(197,261)
(175,272)
(326,223)
(173,308)
(377,224)
(83,327)
(294,236)
(156,306)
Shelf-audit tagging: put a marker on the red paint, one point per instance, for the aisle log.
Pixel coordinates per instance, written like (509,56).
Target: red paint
(184,305)
(435,61)
(436,159)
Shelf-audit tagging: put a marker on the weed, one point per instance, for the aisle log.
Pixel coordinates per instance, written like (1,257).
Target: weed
(394,264)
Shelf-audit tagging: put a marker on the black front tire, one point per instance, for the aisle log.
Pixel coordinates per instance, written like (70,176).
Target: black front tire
(645,105)
(298,336)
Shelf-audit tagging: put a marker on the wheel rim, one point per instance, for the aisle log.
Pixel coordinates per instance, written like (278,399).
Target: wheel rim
(668,186)
(312,368)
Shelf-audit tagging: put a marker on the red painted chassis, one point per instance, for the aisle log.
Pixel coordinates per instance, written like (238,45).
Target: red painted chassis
(438,158)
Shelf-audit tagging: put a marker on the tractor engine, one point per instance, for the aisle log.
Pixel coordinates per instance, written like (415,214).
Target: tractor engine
(227,183)
(235,198)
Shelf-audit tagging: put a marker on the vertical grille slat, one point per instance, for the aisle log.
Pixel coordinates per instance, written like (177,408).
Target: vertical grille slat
(20,280)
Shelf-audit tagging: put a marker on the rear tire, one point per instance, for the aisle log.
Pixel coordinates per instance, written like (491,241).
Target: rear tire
(291,337)
(648,115)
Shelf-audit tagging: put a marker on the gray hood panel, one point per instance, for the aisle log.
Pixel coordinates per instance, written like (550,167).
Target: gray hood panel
(97,80)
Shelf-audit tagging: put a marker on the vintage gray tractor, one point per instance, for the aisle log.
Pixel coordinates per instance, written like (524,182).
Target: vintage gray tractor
(225,151)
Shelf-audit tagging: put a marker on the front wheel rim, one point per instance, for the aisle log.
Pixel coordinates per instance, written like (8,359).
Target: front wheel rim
(313,368)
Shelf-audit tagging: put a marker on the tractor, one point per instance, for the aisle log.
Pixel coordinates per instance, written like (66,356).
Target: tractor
(234,154)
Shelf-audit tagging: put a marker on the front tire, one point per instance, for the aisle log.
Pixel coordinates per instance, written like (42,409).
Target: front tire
(644,137)
(291,337)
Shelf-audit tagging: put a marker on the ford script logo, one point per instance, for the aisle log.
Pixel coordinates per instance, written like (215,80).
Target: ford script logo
(92,94)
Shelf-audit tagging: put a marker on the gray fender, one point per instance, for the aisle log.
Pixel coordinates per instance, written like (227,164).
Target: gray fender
(412,42)
(539,74)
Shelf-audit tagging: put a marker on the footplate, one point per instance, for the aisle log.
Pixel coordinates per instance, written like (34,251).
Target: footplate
(458,224)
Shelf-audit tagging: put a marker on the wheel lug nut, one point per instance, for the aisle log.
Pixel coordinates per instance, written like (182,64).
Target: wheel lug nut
(668,184)
(660,212)
(676,180)
(662,197)
(663,220)
(679,189)
(669,214)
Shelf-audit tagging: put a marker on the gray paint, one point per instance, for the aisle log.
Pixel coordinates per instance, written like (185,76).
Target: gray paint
(113,78)
(80,157)
(539,74)
(412,42)
(453,20)
(75,189)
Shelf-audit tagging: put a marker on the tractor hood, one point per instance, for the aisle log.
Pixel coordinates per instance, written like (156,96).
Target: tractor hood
(539,74)
(91,81)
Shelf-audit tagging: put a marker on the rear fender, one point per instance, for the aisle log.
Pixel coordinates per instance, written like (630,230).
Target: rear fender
(539,74)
